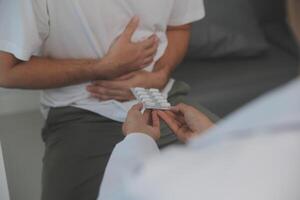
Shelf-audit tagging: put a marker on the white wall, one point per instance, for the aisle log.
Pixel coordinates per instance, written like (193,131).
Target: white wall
(18,101)
(4,195)
(20,133)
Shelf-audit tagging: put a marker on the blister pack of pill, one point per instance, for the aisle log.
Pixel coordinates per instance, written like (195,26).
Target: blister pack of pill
(151,98)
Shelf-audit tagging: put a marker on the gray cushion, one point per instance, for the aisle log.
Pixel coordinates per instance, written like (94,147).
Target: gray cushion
(269,10)
(230,28)
(223,85)
(280,34)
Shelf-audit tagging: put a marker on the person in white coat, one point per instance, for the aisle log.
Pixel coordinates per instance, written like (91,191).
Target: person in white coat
(253,154)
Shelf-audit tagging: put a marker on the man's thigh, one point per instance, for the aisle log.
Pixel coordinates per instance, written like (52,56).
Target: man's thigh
(78,146)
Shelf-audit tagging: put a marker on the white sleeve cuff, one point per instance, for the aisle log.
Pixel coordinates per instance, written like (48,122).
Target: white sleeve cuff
(140,142)
(19,52)
(126,158)
(189,18)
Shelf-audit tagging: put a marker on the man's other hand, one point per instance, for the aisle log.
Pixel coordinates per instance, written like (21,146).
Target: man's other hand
(185,121)
(127,56)
(147,123)
(119,89)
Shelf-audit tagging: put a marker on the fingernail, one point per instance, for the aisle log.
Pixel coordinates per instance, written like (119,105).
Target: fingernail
(135,18)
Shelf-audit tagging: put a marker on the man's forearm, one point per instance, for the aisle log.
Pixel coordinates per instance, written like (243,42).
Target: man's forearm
(44,73)
(178,38)
(294,16)
(123,57)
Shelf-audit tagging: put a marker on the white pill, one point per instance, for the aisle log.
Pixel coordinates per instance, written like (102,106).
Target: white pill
(156,95)
(141,93)
(144,96)
(146,100)
(153,90)
(165,104)
(159,97)
(162,101)
(139,89)
(150,104)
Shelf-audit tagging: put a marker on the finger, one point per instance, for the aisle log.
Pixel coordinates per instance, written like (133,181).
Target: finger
(131,27)
(148,61)
(154,42)
(174,109)
(179,120)
(135,114)
(171,122)
(125,77)
(104,94)
(108,92)
(137,107)
(116,98)
(145,65)
(152,51)
(147,117)
(183,108)
(104,91)
(92,89)
(123,98)
(101,97)
(184,134)
(171,114)
(117,85)
(176,116)
(155,120)
(149,43)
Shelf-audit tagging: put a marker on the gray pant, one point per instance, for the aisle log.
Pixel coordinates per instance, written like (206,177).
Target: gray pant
(78,146)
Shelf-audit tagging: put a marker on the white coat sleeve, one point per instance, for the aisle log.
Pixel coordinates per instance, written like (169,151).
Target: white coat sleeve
(127,157)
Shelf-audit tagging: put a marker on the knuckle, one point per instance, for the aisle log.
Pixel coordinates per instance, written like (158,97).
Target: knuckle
(154,50)
(104,97)
(139,52)
(181,105)
(102,90)
(103,84)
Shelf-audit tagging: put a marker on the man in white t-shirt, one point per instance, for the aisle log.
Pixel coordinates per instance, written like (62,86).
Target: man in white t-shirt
(85,55)
(253,154)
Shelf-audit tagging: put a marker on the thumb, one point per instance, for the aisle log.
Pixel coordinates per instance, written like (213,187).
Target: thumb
(131,27)
(137,107)
(136,111)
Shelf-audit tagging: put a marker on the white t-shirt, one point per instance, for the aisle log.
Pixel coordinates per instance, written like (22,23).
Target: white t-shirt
(66,29)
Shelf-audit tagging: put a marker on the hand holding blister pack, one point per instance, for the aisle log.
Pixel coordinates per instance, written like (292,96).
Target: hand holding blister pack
(151,98)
